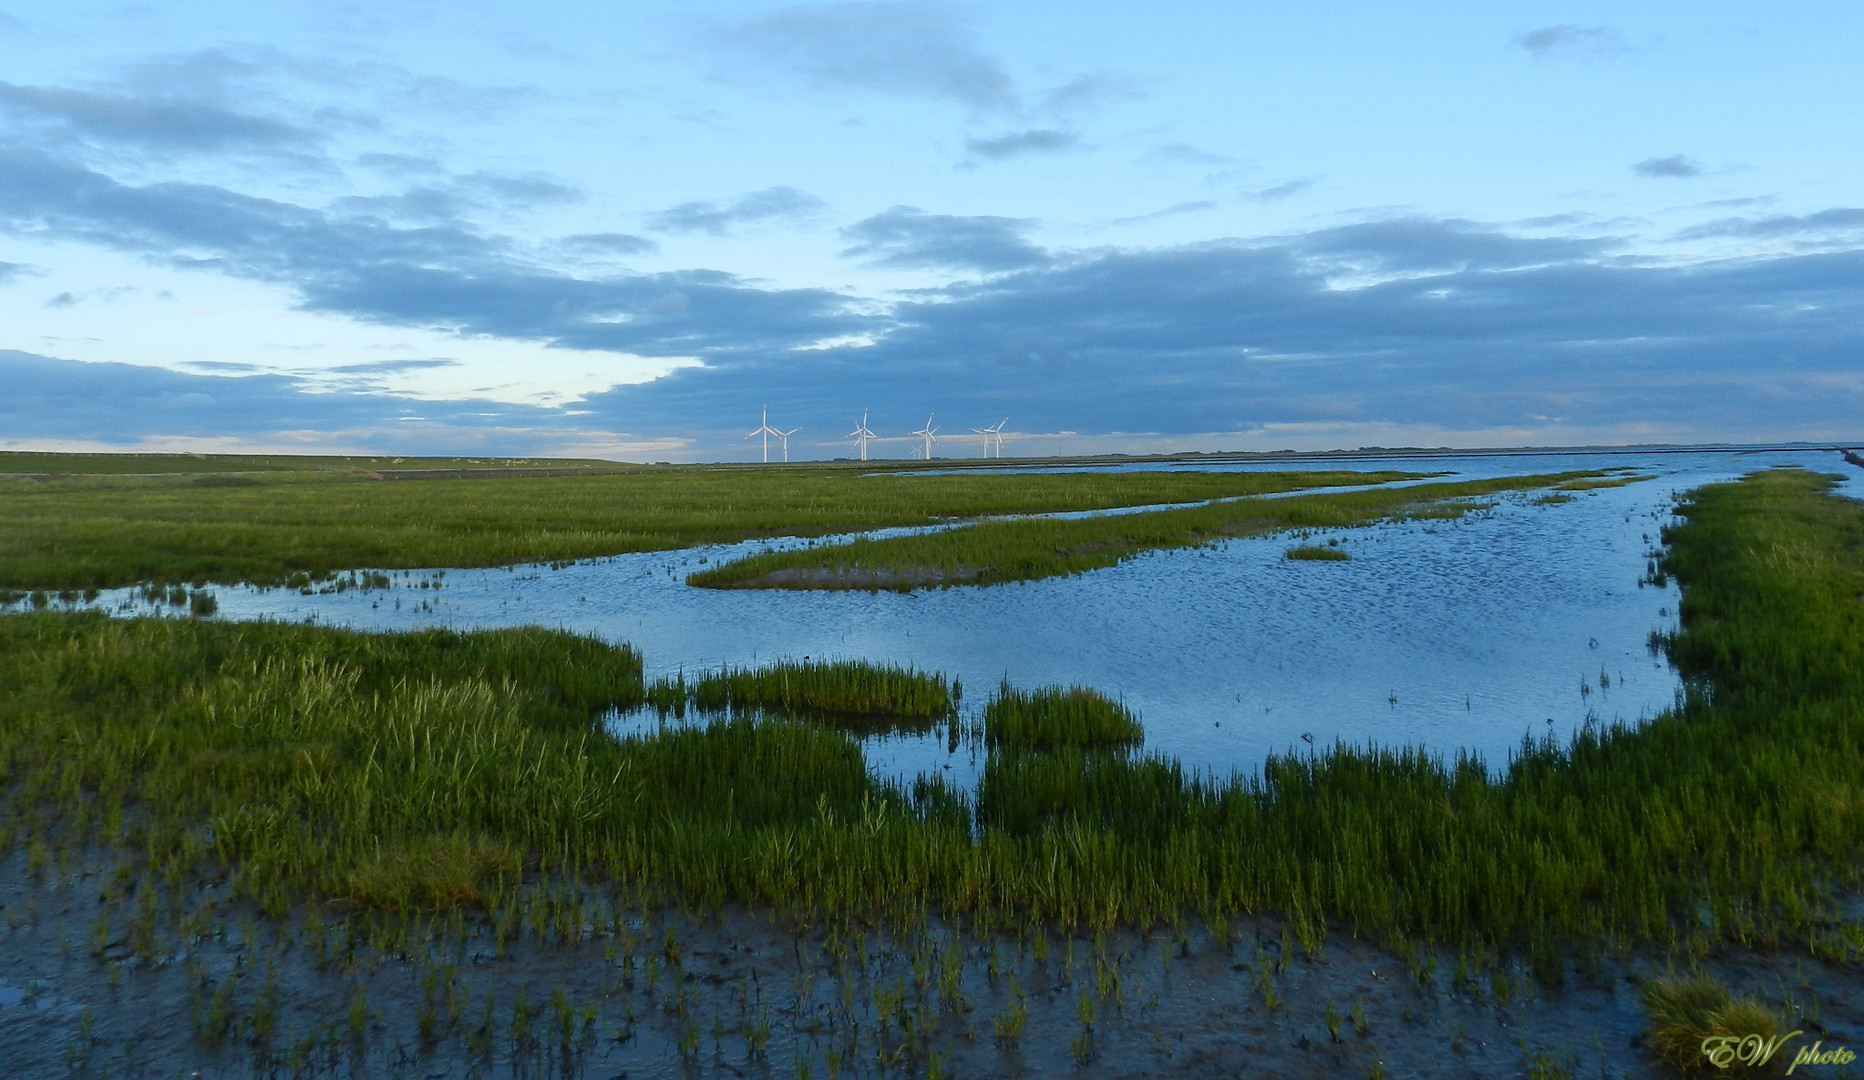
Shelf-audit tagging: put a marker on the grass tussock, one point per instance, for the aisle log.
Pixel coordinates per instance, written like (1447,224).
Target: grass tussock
(1690,1018)
(1316,553)
(850,687)
(1056,716)
(993,552)
(315,761)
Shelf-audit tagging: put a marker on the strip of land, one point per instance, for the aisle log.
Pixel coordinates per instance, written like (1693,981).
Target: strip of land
(995,552)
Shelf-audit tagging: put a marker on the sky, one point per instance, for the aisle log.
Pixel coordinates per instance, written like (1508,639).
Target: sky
(625,230)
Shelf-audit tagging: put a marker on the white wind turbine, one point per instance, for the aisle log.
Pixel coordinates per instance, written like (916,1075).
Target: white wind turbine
(994,431)
(860,435)
(785,436)
(767,431)
(928,432)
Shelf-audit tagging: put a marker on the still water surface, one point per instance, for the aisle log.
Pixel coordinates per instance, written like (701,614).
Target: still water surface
(1526,619)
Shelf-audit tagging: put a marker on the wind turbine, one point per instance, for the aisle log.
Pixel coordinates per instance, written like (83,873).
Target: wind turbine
(994,431)
(767,431)
(860,435)
(927,433)
(785,436)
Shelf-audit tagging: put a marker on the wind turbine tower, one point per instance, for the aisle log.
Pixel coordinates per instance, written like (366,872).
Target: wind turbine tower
(927,433)
(993,432)
(785,436)
(860,435)
(767,431)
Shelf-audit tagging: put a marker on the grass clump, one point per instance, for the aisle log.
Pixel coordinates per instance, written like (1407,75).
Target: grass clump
(1055,716)
(1316,553)
(854,687)
(1694,1024)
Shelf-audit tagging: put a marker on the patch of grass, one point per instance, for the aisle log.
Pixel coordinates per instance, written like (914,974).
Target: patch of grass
(1055,716)
(815,686)
(1689,1018)
(1316,553)
(993,552)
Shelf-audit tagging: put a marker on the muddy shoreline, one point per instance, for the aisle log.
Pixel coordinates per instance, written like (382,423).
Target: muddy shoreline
(209,987)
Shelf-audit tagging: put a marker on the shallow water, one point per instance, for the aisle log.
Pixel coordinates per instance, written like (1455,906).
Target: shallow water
(1524,620)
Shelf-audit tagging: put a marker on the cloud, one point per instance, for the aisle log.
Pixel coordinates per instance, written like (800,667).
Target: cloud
(1018,143)
(908,49)
(907,238)
(1280,191)
(1676,166)
(400,164)
(445,275)
(1170,211)
(1451,325)
(1569,42)
(718,219)
(175,126)
(49,397)
(1185,153)
(462,196)
(609,244)
(392,367)
(1090,92)
(1838,220)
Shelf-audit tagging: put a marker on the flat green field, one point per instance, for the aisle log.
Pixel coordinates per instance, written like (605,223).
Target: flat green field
(261,520)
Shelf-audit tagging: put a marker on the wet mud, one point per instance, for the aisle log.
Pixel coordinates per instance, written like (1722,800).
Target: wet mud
(103,974)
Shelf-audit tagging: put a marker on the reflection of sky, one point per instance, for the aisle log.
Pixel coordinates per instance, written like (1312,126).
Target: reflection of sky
(1466,634)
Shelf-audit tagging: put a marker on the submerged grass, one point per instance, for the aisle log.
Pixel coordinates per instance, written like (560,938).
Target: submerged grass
(100,531)
(415,771)
(993,552)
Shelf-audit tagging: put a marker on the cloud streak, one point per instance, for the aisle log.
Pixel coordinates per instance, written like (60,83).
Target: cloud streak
(1568,42)
(718,219)
(1674,167)
(1021,143)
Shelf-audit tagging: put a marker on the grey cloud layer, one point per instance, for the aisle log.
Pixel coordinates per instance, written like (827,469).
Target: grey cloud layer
(151,124)
(49,398)
(1477,329)
(1447,322)
(442,275)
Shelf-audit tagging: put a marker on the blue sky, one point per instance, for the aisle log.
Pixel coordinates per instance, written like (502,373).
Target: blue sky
(622,229)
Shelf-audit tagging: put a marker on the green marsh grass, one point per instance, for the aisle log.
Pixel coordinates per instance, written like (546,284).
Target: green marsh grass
(852,687)
(381,770)
(1316,553)
(109,529)
(1056,716)
(992,552)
